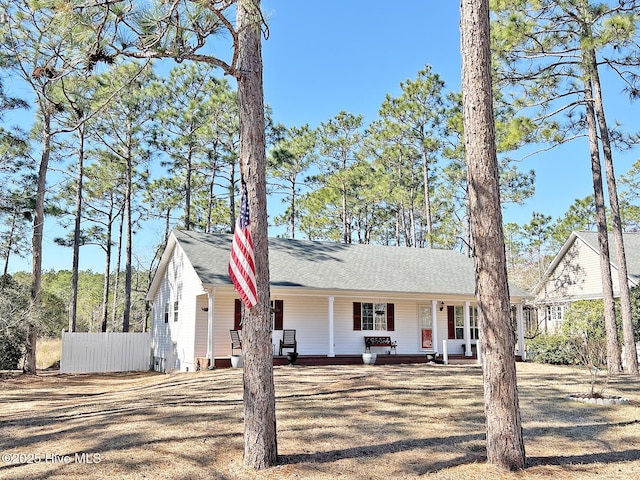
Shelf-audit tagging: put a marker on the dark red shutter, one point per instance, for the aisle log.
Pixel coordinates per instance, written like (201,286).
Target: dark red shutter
(357,316)
(391,321)
(237,315)
(278,323)
(451,321)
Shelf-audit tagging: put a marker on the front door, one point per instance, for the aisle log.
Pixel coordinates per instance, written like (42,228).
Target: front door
(426,327)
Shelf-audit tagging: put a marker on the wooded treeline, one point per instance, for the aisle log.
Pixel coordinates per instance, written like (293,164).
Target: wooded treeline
(123,143)
(107,145)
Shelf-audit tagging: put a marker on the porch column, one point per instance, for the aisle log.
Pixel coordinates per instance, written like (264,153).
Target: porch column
(434,324)
(332,352)
(520,329)
(210,334)
(467,331)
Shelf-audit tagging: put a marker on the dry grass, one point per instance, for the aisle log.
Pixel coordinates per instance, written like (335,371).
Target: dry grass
(48,352)
(395,421)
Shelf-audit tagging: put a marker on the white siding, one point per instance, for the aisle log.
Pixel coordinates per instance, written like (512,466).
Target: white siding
(577,276)
(309,316)
(407,327)
(202,326)
(223,322)
(174,342)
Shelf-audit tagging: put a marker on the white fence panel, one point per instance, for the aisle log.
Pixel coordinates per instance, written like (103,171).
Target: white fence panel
(105,352)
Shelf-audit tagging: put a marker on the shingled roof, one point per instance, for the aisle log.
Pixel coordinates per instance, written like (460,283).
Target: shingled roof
(631,250)
(337,266)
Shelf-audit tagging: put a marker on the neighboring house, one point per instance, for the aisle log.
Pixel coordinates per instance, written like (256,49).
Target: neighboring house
(574,274)
(332,294)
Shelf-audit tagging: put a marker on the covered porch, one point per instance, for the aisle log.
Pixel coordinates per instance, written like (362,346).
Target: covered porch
(382,359)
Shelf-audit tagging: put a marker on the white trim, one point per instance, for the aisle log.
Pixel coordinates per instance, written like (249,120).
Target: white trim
(210,325)
(467,330)
(434,324)
(520,329)
(332,352)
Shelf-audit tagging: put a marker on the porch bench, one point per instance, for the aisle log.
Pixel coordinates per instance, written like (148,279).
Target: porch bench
(379,342)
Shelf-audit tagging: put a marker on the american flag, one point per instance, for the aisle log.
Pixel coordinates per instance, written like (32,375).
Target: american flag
(242,269)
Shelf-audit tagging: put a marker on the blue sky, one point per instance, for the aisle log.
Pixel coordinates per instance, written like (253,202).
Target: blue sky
(323,57)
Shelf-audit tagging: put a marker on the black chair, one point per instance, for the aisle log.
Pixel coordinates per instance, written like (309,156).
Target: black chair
(289,341)
(236,343)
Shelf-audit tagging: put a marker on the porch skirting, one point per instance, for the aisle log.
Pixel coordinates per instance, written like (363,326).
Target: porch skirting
(319,360)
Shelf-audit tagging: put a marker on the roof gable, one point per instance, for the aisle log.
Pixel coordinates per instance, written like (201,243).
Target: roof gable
(590,240)
(631,251)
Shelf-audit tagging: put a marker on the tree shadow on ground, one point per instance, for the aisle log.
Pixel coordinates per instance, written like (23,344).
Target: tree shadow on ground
(590,458)
(375,450)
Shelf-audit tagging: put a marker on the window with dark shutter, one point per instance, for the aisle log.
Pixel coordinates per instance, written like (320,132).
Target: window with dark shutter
(278,315)
(357,316)
(451,322)
(237,315)
(391,322)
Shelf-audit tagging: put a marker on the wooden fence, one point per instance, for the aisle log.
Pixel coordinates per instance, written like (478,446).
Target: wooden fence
(105,352)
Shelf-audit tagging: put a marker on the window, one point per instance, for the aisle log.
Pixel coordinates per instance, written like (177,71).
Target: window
(473,322)
(277,314)
(458,323)
(175,311)
(374,316)
(166,312)
(555,315)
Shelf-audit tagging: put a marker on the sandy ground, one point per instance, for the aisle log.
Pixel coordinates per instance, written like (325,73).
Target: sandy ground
(363,421)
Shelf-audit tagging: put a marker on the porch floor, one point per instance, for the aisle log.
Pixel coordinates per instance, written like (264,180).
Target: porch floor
(382,359)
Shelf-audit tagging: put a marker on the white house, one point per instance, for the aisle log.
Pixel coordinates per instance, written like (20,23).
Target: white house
(333,295)
(575,274)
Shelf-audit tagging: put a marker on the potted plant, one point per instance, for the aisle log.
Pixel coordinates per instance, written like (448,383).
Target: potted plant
(236,361)
(292,356)
(369,358)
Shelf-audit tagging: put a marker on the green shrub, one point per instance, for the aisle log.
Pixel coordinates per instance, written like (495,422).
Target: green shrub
(554,349)
(584,326)
(12,341)
(14,304)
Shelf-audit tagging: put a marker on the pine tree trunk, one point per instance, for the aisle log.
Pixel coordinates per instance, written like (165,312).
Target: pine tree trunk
(73,301)
(36,244)
(613,350)
(631,355)
(116,286)
(12,229)
(292,212)
(260,445)
(232,198)
(505,444)
(427,199)
(187,191)
(104,314)
(210,202)
(126,314)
